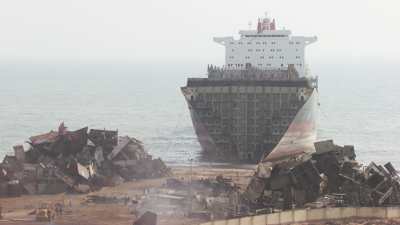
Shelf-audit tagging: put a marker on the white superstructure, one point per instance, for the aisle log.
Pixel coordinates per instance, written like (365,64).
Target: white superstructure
(265,48)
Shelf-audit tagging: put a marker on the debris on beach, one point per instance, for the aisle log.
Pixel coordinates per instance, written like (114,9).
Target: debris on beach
(147,218)
(85,160)
(206,198)
(329,177)
(76,161)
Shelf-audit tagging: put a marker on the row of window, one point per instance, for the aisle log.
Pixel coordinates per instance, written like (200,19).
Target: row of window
(263,50)
(263,57)
(265,35)
(264,42)
(259,50)
(260,65)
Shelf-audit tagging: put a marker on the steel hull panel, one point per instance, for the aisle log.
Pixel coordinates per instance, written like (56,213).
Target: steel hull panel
(219,143)
(300,137)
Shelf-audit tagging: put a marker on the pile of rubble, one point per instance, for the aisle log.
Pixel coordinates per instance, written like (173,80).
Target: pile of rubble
(76,161)
(329,177)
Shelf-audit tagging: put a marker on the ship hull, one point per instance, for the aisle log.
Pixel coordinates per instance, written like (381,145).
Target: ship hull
(242,120)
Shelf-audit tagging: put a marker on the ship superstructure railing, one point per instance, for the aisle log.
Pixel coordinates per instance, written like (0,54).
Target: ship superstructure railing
(206,82)
(256,76)
(289,73)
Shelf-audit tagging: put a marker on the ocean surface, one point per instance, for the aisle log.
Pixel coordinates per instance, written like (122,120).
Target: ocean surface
(359,105)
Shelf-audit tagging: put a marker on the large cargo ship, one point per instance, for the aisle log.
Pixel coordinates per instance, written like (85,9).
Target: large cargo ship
(241,110)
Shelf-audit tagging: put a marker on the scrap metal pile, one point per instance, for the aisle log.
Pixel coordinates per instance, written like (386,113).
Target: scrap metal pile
(328,177)
(76,161)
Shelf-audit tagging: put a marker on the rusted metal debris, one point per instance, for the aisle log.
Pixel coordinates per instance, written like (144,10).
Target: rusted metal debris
(98,199)
(330,176)
(204,198)
(77,161)
(148,218)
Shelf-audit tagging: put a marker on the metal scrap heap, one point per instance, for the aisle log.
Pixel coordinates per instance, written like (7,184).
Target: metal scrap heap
(76,161)
(330,176)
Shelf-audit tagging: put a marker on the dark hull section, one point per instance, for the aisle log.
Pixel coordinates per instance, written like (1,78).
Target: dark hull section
(206,142)
(242,120)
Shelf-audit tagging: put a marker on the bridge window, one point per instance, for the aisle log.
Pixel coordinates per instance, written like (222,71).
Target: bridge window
(269,35)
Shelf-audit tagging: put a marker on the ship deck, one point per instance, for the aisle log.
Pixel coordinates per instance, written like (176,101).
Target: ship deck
(206,82)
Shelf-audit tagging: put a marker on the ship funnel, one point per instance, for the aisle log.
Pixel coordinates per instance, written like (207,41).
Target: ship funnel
(266,23)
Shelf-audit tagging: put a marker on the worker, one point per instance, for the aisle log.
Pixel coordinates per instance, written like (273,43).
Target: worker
(61,209)
(49,214)
(58,209)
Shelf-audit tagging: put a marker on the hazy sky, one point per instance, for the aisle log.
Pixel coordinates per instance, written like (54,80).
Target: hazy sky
(132,30)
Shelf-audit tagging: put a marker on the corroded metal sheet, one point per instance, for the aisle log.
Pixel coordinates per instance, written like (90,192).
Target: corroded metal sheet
(301,134)
(122,143)
(44,138)
(83,171)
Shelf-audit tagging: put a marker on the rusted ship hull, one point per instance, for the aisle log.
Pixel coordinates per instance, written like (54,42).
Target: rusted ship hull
(243,119)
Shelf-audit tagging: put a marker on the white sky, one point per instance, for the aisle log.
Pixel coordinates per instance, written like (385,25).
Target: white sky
(133,30)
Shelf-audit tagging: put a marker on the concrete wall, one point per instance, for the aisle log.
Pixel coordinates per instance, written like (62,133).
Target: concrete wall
(303,215)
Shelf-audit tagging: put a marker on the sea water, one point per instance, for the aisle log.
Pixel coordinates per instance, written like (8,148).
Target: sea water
(359,105)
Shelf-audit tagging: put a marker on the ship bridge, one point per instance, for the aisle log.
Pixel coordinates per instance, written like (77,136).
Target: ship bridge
(265,48)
